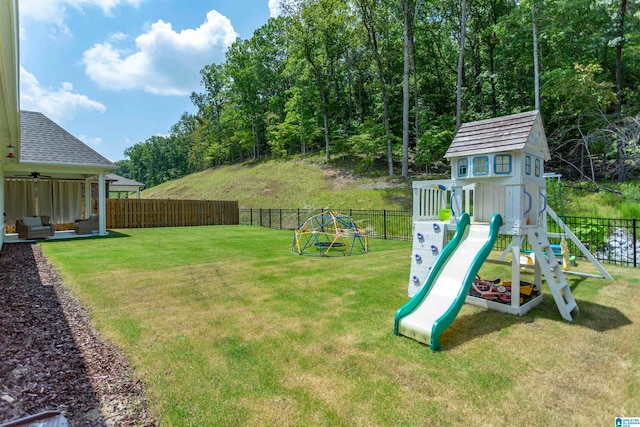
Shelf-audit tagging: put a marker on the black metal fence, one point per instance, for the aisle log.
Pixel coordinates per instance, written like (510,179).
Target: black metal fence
(612,241)
(380,224)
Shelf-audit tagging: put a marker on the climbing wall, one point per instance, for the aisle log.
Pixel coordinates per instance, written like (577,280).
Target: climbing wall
(429,237)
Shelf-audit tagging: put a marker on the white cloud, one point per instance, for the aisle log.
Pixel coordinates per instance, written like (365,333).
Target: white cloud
(164,62)
(51,12)
(55,11)
(117,37)
(57,104)
(90,140)
(274,8)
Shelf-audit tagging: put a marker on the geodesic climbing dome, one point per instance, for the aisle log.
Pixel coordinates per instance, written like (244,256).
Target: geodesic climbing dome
(330,234)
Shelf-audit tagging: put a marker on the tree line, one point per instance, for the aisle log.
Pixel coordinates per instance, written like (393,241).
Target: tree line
(386,83)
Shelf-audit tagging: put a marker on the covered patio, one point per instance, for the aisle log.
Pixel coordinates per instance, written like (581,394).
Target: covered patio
(54,175)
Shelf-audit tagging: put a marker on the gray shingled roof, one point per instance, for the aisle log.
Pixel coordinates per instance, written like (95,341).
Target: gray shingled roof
(507,133)
(122,181)
(43,141)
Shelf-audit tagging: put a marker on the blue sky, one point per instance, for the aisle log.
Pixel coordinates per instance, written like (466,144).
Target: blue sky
(116,72)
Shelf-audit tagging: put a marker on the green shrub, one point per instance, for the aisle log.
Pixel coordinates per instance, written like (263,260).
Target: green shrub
(630,210)
(592,235)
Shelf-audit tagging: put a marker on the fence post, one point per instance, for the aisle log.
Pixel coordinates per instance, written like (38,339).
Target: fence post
(635,242)
(384,216)
(281,219)
(260,217)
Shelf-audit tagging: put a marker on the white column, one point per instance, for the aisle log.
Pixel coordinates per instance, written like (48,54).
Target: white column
(87,197)
(516,244)
(2,196)
(102,204)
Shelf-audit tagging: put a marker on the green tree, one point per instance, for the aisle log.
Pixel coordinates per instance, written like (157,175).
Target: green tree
(210,102)
(369,11)
(321,31)
(336,76)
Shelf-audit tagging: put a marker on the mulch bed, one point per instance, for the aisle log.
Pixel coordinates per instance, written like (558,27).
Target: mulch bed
(51,357)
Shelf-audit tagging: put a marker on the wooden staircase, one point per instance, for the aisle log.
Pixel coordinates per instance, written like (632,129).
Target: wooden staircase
(552,271)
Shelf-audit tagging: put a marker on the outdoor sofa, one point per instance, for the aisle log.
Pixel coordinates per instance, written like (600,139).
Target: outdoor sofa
(86,226)
(34,227)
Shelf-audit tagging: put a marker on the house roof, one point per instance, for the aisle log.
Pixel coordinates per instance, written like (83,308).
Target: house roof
(121,181)
(45,142)
(499,134)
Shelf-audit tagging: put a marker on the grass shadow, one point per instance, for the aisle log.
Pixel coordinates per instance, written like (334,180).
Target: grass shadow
(115,234)
(600,318)
(474,326)
(112,235)
(575,282)
(597,317)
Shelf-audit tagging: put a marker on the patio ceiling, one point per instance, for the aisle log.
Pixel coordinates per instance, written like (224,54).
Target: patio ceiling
(40,173)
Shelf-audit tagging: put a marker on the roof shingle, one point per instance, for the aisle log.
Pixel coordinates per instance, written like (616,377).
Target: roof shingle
(44,141)
(507,133)
(122,181)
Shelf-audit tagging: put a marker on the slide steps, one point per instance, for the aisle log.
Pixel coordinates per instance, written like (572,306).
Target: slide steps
(553,273)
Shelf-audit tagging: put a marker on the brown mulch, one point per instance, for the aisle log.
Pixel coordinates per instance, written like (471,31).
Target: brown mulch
(51,357)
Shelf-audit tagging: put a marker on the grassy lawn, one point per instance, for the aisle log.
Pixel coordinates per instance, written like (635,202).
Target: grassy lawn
(227,327)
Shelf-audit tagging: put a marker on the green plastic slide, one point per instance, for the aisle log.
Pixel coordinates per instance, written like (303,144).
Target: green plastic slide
(430,312)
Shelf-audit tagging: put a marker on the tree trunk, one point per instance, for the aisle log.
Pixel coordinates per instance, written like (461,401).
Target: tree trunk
(536,70)
(325,119)
(349,88)
(492,71)
(323,99)
(405,92)
(623,9)
(463,28)
(218,126)
(416,95)
(372,35)
(255,137)
(622,172)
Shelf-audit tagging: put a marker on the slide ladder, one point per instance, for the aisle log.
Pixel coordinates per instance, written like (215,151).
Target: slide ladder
(552,271)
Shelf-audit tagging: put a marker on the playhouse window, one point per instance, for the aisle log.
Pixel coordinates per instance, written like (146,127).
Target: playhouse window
(537,167)
(527,165)
(481,165)
(462,167)
(502,164)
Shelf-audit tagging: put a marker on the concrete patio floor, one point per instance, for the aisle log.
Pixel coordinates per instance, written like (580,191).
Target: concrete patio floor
(66,234)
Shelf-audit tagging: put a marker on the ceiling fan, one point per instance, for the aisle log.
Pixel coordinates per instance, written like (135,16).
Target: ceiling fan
(33,175)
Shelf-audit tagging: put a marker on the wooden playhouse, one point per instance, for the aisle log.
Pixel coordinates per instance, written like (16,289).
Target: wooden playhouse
(497,166)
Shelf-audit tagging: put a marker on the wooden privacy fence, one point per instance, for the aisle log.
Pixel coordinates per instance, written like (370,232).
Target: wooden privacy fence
(148,213)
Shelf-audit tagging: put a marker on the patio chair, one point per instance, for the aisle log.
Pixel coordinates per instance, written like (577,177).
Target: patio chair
(86,226)
(34,227)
